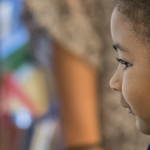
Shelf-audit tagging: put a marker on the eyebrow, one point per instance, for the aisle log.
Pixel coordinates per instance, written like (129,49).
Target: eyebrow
(117,46)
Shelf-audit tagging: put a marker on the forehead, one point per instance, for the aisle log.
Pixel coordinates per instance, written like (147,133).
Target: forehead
(121,26)
(122,31)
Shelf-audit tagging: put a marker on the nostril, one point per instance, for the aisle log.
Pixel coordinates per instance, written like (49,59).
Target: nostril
(111,83)
(116,81)
(115,89)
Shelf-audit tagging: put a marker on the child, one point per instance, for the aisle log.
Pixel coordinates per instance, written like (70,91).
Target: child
(130,29)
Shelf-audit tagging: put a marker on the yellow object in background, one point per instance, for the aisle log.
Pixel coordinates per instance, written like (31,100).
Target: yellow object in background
(36,89)
(32,84)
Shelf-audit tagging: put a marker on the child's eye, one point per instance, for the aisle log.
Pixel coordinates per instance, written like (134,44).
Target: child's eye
(127,64)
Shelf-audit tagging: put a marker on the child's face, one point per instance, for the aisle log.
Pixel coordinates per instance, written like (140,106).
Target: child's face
(132,78)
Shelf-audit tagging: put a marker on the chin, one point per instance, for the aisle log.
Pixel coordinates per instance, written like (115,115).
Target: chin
(142,126)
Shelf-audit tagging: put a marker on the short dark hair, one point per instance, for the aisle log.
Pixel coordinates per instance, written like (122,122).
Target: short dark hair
(138,12)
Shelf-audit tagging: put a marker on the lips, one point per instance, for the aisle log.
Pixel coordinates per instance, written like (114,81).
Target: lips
(124,104)
(128,109)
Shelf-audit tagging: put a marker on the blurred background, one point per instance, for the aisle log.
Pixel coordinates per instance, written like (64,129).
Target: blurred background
(28,109)
(30,117)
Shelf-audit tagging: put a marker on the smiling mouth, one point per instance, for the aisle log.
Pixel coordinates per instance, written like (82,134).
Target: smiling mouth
(128,109)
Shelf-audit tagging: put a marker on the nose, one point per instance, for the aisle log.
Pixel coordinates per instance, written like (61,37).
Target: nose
(116,81)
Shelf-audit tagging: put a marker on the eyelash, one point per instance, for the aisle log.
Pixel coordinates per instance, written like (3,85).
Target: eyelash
(127,64)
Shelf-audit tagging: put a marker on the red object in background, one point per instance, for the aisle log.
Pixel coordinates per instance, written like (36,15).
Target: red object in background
(8,132)
(11,137)
(9,89)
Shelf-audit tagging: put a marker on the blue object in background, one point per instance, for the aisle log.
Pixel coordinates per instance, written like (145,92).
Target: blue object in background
(22,118)
(12,32)
(12,43)
(17,11)
(17,8)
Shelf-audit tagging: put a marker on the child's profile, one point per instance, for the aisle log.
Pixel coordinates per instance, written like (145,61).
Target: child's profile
(130,29)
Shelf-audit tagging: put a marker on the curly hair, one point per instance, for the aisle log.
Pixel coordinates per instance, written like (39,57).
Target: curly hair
(138,12)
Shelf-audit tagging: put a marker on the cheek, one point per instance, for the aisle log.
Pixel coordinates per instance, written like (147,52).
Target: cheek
(136,91)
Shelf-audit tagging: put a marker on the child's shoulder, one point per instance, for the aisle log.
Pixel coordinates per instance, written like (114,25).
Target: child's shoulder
(148,147)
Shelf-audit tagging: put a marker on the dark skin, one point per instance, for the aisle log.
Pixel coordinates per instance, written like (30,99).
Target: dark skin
(132,76)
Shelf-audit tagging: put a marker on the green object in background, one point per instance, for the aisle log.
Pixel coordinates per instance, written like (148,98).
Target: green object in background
(12,62)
